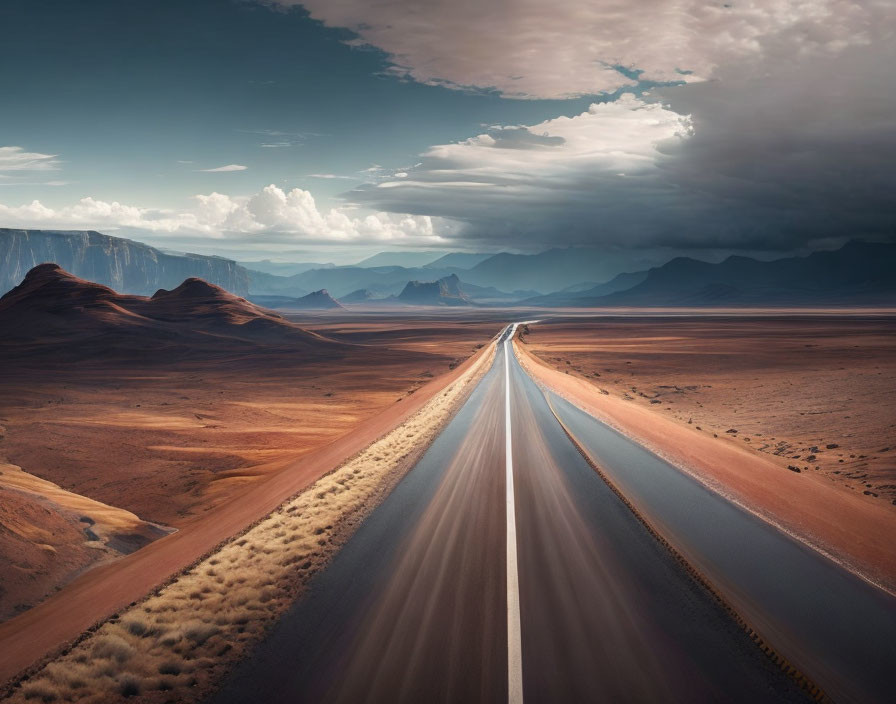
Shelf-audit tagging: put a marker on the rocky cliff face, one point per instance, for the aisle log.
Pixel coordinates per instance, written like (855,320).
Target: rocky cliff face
(124,265)
(444,292)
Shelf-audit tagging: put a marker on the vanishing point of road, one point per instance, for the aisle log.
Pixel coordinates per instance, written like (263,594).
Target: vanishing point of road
(503,568)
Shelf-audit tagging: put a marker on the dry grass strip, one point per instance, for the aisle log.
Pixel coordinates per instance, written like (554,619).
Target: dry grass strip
(176,644)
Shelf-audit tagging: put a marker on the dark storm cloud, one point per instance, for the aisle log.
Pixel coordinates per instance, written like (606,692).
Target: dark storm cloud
(782,136)
(800,156)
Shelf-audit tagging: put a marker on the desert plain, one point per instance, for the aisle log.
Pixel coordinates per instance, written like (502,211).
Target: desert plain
(158,445)
(812,392)
(103,457)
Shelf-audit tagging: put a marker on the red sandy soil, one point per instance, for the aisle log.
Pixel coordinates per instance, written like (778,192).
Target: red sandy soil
(105,589)
(165,409)
(48,535)
(783,382)
(30,545)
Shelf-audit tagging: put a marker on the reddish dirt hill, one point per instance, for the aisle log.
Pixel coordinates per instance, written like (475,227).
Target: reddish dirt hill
(122,416)
(195,319)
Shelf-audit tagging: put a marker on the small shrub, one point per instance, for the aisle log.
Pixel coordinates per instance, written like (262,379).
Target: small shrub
(69,674)
(135,628)
(113,647)
(40,690)
(129,686)
(171,638)
(169,667)
(199,634)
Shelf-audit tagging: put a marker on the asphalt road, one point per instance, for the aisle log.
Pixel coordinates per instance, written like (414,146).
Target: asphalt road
(503,568)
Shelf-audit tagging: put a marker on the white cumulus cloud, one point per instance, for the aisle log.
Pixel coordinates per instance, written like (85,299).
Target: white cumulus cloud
(519,180)
(271,215)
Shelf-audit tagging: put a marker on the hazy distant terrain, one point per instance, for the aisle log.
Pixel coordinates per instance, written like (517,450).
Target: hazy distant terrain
(859,273)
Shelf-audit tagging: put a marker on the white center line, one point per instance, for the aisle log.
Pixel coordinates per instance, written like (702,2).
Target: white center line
(514,641)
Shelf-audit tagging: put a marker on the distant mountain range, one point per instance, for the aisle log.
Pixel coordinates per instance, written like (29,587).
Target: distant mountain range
(859,273)
(362,295)
(446,291)
(489,295)
(124,265)
(133,267)
(266,266)
(545,272)
(339,281)
(574,295)
(432,260)
(505,276)
(408,260)
(316,300)
(458,260)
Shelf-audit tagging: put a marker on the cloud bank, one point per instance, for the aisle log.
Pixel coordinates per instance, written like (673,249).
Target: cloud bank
(569,174)
(565,48)
(774,128)
(779,133)
(272,215)
(690,167)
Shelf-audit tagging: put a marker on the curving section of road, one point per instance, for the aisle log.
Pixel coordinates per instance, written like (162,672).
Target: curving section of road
(419,604)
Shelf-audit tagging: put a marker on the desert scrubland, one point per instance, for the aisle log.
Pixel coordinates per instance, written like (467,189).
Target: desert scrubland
(817,393)
(170,442)
(123,419)
(177,643)
(792,415)
(167,446)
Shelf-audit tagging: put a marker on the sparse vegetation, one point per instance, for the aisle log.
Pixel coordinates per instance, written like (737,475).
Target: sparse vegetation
(743,379)
(177,642)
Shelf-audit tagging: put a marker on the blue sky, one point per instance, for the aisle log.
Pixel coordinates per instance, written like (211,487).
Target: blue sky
(141,86)
(673,127)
